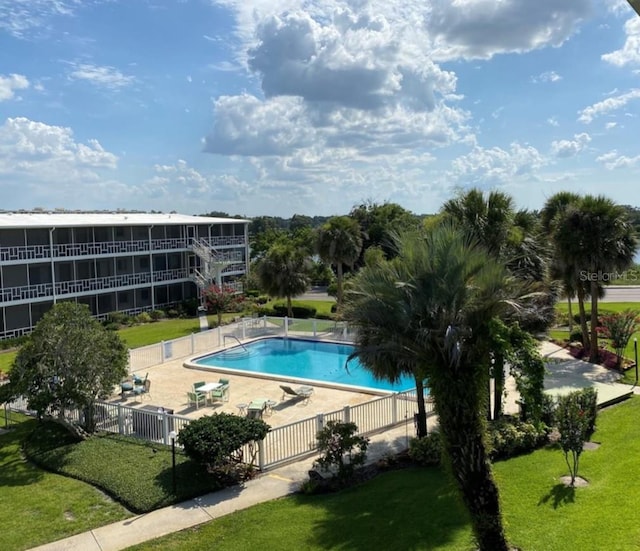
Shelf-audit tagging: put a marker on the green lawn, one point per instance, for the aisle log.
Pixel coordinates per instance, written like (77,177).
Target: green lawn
(417,509)
(38,506)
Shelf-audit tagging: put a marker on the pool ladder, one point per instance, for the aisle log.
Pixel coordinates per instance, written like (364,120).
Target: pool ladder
(225,337)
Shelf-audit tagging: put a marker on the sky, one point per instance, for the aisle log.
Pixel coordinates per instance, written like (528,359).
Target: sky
(282,107)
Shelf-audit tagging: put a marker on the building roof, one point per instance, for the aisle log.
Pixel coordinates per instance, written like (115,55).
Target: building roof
(31,219)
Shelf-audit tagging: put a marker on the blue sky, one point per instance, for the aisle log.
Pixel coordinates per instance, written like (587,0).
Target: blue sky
(278,107)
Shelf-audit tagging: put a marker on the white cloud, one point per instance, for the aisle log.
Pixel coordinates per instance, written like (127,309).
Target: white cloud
(610,125)
(613,160)
(553,121)
(547,76)
(10,83)
(480,29)
(607,106)
(21,18)
(487,168)
(37,151)
(570,148)
(629,54)
(104,76)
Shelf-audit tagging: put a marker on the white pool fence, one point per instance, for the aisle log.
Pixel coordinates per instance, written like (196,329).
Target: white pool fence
(281,445)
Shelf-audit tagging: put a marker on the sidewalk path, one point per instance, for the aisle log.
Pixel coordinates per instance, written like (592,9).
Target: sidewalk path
(270,485)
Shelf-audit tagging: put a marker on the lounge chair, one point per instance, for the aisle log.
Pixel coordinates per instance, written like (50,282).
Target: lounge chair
(197,399)
(302,392)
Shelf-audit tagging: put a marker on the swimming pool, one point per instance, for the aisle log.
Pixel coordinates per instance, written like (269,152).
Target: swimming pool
(299,359)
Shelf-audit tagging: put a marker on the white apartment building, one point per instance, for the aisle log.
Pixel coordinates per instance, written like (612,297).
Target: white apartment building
(128,262)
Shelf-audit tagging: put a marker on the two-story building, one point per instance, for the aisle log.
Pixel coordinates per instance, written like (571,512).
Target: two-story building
(120,261)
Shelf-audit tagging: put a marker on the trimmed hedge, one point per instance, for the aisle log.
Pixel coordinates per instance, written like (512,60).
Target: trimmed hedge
(509,437)
(135,473)
(426,451)
(299,312)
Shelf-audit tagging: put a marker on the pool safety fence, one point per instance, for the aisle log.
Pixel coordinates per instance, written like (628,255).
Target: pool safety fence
(282,444)
(246,328)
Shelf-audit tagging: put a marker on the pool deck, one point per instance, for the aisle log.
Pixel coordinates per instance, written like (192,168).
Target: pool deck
(171,381)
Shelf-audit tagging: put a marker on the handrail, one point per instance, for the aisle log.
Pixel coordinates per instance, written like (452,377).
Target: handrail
(224,339)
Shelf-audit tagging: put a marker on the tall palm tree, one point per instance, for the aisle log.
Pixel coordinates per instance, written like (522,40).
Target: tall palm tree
(386,337)
(339,243)
(432,308)
(608,245)
(562,267)
(283,272)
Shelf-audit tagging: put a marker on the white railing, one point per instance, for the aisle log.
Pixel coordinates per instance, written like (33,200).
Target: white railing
(70,250)
(281,445)
(248,327)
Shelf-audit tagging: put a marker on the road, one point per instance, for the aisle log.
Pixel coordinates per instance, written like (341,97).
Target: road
(622,293)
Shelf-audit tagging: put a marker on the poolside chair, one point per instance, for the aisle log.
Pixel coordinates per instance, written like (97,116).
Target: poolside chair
(223,392)
(256,408)
(301,393)
(143,389)
(197,399)
(197,385)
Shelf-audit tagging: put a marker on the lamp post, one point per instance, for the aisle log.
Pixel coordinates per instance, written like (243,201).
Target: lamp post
(635,352)
(173,435)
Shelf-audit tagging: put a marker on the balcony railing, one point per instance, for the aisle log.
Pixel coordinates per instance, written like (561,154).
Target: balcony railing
(44,290)
(68,250)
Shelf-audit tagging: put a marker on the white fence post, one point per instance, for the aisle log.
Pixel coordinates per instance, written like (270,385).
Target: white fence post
(261,455)
(120,420)
(394,408)
(315,331)
(244,330)
(346,414)
(219,333)
(162,358)
(193,343)
(286,326)
(319,423)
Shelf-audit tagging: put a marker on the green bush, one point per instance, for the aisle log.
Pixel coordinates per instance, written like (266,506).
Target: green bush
(588,402)
(216,440)
(118,318)
(508,437)
(426,451)
(299,312)
(173,313)
(341,449)
(576,335)
(135,473)
(157,315)
(143,317)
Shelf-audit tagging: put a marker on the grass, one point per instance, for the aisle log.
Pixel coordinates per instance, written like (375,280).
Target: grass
(38,506)
(136,473)
(418,509)
(408,509)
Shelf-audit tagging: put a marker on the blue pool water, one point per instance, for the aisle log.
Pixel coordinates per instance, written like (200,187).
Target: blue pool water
(318,361)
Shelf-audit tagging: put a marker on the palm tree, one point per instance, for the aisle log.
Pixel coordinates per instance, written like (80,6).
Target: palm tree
(339,243)
(609,244)
(386,337)
(562,267)
(431,309)
(283,272)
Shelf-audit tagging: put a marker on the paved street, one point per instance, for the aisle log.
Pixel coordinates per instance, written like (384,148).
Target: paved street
(622,293)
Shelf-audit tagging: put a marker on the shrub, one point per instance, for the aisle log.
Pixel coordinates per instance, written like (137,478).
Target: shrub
(173,313)
(426,451)
(576,335)
(118,318)
(341,449)
(157,315)
(576,418)
(217,440)
(299,312)
(143,317)
(509,437)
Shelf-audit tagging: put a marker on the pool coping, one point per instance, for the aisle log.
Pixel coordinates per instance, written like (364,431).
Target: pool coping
(190,364)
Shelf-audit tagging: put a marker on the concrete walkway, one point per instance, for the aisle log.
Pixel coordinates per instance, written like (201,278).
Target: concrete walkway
(271,485)
(565,374)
